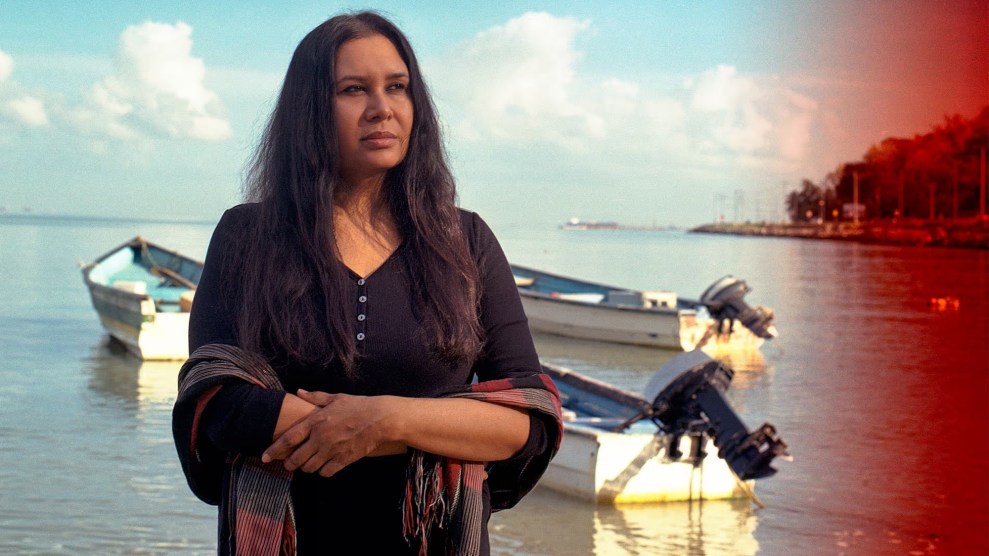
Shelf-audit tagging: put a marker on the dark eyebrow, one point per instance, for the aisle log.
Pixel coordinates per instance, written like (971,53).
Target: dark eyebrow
(389,77)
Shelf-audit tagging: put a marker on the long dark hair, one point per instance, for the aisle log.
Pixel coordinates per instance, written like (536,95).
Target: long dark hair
(291,276)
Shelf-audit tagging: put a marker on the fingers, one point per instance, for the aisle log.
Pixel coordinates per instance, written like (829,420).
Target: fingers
(322,399)
(311,458)
(330,468)
(332,436)
(297,433)
(307,457)
(287,442)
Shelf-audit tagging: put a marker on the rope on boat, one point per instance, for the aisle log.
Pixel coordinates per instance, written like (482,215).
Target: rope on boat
(707,334)
(164,271)
(746,489)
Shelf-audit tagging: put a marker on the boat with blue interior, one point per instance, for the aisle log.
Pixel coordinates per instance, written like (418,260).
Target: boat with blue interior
(142,293)
(678,441)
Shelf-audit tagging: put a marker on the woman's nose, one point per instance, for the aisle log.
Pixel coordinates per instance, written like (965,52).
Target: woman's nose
(378,107)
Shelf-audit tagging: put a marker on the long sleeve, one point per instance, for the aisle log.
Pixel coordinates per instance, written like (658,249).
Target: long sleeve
(509,349)
(240,417)
(212,320)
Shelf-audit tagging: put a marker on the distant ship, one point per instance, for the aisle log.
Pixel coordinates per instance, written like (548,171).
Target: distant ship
(578,224)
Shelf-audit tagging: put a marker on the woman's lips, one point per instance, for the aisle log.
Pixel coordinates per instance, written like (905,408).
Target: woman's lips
(379,139)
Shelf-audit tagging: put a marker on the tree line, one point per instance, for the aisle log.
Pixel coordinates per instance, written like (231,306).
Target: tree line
(937,175)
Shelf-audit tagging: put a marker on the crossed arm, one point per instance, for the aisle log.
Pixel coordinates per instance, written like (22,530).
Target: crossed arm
(322,433)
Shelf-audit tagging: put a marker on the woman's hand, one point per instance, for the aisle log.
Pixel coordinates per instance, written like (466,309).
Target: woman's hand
(339,431)
(323,433)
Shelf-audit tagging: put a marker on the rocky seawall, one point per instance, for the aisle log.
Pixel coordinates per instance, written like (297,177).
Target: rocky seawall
(967,234)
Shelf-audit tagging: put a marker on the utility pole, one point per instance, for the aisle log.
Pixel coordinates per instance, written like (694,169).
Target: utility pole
(982,181)
(781,205)
(954,183)
(855,196)
(719,207)
(977,145)
(901,178)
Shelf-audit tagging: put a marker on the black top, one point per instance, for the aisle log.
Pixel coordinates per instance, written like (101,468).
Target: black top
(361,503)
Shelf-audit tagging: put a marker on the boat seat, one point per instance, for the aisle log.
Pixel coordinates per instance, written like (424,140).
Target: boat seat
(659,298)
(185,300)
(624,297)
(131,286)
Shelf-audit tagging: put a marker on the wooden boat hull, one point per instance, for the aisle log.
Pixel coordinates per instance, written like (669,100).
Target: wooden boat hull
(636,465)
(663,329)
(618,468)
(140,292)
(577,309)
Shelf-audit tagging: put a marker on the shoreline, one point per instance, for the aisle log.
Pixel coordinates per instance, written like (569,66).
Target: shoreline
(969,233)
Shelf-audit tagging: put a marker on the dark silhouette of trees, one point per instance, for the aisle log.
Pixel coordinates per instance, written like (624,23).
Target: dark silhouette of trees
(936,175)
(811,202)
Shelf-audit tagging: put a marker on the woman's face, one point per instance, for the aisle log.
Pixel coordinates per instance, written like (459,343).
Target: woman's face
(373,108)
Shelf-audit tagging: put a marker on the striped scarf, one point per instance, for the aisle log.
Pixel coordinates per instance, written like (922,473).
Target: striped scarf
(258,499)
(447,493)
(441,493)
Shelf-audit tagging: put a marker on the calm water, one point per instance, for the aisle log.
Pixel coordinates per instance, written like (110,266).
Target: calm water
(883,401)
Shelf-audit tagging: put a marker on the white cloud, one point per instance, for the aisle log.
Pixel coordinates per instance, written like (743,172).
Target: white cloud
(794,131)
(520,83)
(157,86)
(15,105)
(516,78)
(28,110)
(720,89)
(748,115)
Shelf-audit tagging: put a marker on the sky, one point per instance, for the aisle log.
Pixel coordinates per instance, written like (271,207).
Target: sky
(664,113)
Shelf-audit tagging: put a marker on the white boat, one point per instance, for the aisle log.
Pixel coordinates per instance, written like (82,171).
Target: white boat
(142,293)
(576,308)
(685,445)
(578,224)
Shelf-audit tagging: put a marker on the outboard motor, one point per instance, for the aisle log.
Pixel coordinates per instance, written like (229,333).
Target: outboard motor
(686,393)
(724,300)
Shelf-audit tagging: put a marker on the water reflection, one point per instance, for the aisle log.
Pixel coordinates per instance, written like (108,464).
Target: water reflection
(114,372)
(100,476)
(550,523)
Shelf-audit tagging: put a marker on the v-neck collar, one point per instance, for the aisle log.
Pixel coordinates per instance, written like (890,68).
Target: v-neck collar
(368,276)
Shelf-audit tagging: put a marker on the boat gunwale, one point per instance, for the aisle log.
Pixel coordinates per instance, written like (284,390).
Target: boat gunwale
(134,242)
(684,306)
(595,386)
(601,389)
(607,306)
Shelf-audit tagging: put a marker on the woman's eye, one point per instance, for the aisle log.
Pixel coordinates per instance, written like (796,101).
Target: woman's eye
(351,89)
(397,87)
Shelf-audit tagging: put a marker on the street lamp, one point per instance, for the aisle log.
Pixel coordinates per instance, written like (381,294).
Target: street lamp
(858,171)
(855,196)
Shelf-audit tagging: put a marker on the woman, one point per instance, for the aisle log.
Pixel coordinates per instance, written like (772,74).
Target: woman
(341,320)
